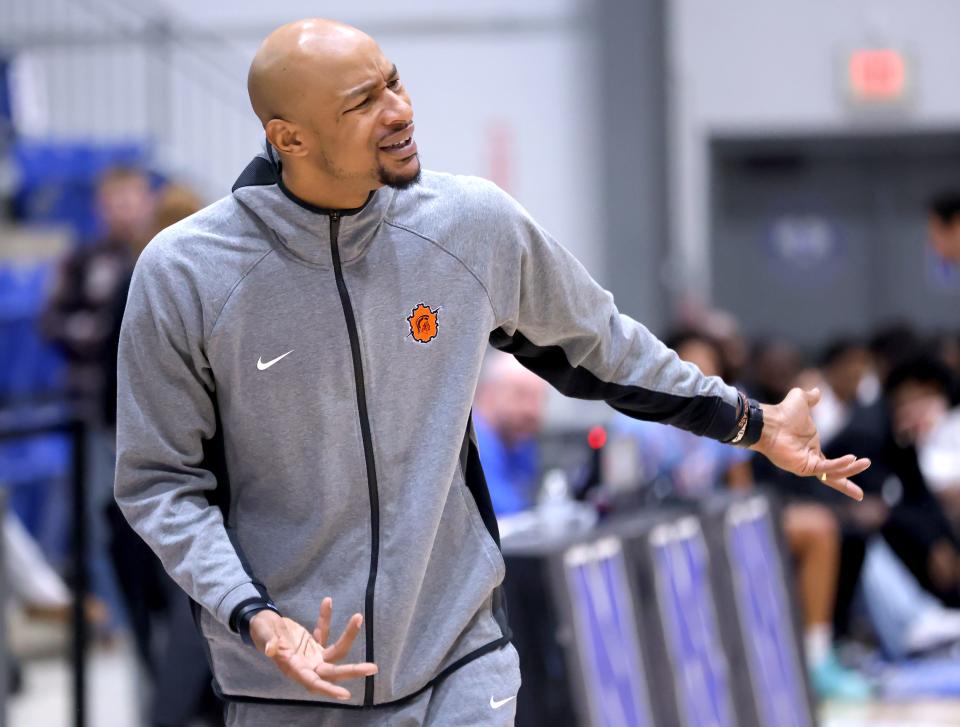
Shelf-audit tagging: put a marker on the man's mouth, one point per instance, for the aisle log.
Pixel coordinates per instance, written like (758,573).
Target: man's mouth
(402,144)
(399,145)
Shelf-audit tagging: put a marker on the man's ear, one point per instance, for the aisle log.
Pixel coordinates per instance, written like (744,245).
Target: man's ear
(286,137)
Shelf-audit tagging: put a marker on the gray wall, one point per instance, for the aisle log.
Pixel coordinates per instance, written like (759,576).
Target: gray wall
(503,90)
(632,54)
(768,67)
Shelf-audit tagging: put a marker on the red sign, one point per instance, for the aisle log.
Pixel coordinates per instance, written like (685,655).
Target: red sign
(877,75)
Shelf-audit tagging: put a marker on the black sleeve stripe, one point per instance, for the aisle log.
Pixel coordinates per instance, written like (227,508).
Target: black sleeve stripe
(708,416)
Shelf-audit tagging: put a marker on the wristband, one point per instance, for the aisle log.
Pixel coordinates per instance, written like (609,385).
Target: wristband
(740,428)
(754,425)
(244,613)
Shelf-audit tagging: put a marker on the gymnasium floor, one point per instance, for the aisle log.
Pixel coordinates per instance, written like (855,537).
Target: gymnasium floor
(45,701)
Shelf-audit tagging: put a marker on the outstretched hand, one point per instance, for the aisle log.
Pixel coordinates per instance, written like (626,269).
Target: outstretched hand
(303,656)
(790,440)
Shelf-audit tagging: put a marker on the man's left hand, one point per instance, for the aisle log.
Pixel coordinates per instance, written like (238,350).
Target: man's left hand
(790,440)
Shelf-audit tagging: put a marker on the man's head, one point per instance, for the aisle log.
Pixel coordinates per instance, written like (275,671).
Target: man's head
(334,108)
(844,364)
(700,349)
(511,398)
(125,204)
(917,392)
(776,365)
(944,225)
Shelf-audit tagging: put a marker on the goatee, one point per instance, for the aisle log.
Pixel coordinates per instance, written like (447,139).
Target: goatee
(399,181)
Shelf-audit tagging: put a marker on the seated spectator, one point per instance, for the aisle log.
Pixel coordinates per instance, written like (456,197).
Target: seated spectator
(845,367)
(507,416)
(692,467)
(683,463)
(918,390)
(897,502)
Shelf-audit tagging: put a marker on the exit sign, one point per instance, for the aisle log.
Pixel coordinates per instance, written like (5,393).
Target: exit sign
(877,76)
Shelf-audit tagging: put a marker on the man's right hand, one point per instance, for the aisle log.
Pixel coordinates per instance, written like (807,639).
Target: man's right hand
(303,656)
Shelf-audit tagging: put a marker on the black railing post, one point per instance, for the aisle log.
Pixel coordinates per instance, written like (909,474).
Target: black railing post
(79,651)
(15,426)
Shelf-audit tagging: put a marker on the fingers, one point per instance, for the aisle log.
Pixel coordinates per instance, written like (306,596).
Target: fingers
(313,682)
(273,647)
(845,487)
(835,473)
(846,466)
(340,649)
(812,396)
(322,630)
(341,672)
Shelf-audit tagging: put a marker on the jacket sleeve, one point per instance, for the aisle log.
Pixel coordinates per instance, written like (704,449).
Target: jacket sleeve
(165,413)
(563,326)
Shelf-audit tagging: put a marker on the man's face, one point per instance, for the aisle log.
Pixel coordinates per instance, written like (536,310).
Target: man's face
(125,204)
(846,373)
(916,407)
(358,121)
(945,237)
(704,356)
(515,405)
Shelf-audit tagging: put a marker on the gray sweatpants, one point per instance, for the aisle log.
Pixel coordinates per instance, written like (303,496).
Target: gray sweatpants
(478,694)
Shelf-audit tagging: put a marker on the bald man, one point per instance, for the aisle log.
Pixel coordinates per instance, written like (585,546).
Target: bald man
(507,417)
(296,371)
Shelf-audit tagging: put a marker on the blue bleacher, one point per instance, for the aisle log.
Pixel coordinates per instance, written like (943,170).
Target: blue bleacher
(57,183)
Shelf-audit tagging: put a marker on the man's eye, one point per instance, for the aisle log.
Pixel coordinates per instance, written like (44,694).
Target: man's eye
(394,84)
(362,104)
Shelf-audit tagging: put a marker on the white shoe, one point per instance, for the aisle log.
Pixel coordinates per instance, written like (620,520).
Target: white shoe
(934,627)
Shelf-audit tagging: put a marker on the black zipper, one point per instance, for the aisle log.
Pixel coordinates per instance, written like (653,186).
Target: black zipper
(367,447)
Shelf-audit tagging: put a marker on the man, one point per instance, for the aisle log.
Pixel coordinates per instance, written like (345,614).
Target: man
(78,316)
(508,416)
(944,225)
(319,334)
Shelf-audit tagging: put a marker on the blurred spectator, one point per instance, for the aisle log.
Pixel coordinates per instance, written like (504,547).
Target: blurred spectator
(920,408)
(32,580)
(175,202)
(724,328)
(844,367)
(673,461)
(775,365)
(947,349)
(507,417)
(79,318)
(170,649)
(79,312)
(693,467)
(891,343)
(897,502)
(944,225)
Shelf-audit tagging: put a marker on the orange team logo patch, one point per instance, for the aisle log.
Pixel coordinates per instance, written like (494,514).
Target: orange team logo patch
(423,323)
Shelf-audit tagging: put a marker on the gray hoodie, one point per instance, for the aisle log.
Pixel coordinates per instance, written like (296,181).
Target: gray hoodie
(295,387)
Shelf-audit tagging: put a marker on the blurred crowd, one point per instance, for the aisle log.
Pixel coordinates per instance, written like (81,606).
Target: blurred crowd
(81,318)
(885,571)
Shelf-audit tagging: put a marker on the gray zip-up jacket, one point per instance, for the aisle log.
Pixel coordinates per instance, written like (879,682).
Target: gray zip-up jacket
(295,387)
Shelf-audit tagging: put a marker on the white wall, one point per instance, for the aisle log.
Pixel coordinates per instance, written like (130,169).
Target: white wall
(500,89)
(775,66)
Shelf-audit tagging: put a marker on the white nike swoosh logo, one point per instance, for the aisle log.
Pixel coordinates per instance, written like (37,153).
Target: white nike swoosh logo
(261,366)
(496,705)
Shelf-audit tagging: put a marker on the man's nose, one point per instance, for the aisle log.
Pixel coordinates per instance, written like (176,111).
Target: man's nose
(399,111)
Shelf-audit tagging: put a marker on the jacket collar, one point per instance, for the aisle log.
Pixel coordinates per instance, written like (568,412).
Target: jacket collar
(302,228)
